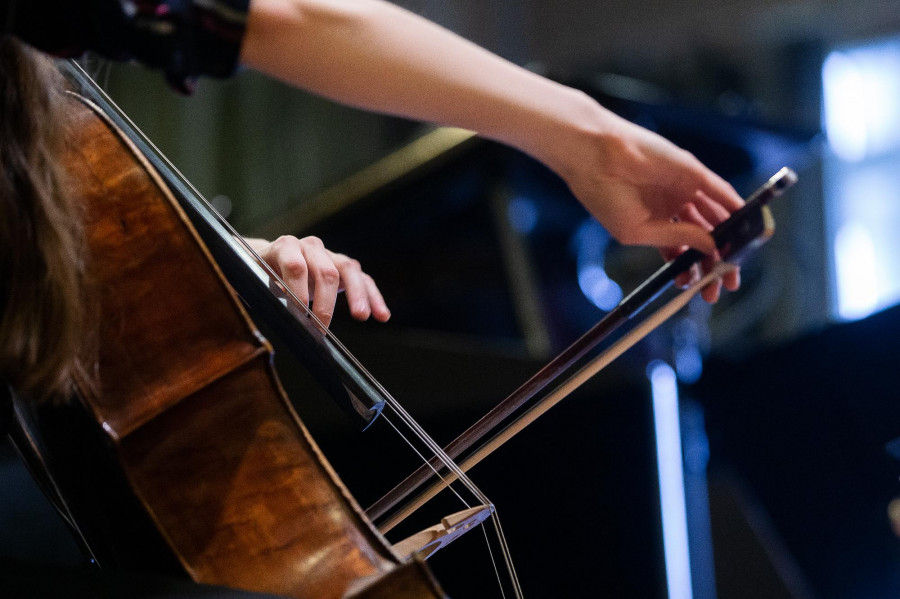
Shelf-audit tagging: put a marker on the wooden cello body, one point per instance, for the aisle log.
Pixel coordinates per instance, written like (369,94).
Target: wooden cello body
(182,384)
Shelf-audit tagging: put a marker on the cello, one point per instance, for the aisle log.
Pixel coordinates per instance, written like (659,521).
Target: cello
(165,419)
(179,382)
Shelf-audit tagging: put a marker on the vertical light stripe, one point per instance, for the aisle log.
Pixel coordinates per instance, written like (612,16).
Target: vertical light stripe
(664,389)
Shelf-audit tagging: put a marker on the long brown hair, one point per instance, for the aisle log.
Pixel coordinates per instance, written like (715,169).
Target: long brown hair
(41,249)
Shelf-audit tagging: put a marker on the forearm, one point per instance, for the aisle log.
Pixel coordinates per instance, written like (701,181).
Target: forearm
(377,56)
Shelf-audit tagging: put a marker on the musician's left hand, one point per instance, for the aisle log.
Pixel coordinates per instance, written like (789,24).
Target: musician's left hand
(313,272)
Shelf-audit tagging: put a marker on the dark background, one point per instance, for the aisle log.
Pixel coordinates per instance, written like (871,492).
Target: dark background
(787,474)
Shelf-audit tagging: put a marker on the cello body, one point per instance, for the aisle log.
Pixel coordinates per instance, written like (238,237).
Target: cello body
(182,385)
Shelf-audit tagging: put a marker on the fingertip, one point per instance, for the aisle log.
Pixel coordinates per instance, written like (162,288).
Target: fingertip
(301,293)
(712,292)
(732,281)
(323,317)
(376,301)
(360,309)
(708,245)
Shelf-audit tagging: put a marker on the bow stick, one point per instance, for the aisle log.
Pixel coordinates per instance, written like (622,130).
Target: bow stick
(746,229)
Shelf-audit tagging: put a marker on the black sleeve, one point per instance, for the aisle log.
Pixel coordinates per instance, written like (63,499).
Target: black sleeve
(183,38)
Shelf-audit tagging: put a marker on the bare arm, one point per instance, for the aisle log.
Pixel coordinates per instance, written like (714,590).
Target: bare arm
(375,55)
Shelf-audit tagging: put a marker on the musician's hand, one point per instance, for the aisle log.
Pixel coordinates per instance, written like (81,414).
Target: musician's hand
(710,293)
(315,273)
(647,191)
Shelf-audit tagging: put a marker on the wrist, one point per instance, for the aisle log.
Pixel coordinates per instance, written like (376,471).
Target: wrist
(577,133)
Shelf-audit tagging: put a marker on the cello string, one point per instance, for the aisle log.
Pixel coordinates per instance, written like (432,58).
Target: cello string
(495,519)
(434,448)
(507,556)
(424,459)
(490,550)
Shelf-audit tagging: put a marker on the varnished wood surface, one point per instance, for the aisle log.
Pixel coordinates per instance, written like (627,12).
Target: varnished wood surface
(186,391)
